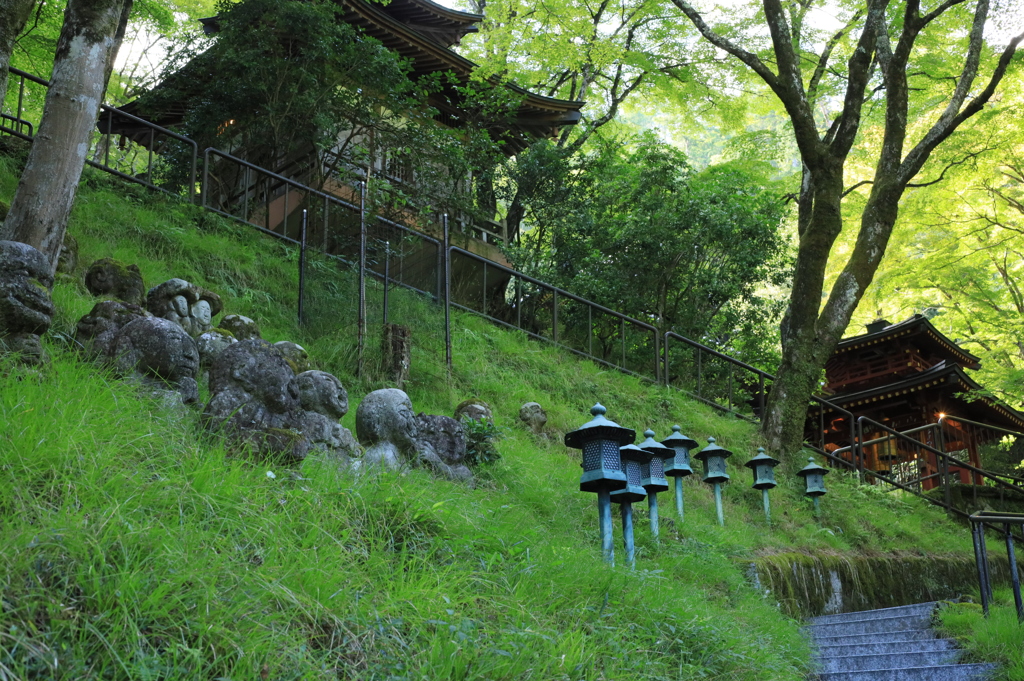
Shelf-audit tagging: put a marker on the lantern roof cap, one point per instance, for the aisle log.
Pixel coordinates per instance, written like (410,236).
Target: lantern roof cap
(631,452)
(761,458)
(713,449)
(811,468)
(654,447)
(677,439)
(598,428)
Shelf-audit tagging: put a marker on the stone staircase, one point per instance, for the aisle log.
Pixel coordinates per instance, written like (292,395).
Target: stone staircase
(891,644)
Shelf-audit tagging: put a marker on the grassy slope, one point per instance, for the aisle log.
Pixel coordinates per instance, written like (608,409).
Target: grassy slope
(998,638)
(132,547)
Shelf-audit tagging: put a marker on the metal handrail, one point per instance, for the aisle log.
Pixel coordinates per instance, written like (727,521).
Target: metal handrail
(1007,520)
(558,292)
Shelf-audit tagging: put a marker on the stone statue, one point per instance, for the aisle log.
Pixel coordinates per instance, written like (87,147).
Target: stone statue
(240,326)
(533,415)
(256,400)
(159,353)
(26,309)
(112,278)
(96,331)
(187,305)
(387,427)
(474,410)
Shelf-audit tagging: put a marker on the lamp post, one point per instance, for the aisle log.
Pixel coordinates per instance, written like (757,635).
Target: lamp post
(632,458)
(814,478)
(763,467)
(713,457)
(678,466)
(600,440)
(652,475)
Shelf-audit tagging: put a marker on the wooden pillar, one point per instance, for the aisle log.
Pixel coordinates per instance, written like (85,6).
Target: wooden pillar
(396,351)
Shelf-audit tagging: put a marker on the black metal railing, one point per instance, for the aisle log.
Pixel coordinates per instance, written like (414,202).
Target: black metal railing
(545,312)
(1004,523)
(129,158)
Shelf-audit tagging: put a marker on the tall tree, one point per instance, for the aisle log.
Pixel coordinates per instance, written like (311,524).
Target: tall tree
(14,15)
(919,69)
(89,39)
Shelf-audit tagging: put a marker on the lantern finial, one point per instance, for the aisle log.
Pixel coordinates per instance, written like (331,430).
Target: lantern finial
(649,433)
(676,429)
(598,410)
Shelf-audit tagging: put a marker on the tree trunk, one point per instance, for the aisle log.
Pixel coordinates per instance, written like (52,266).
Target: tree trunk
(14,15)
(85,54)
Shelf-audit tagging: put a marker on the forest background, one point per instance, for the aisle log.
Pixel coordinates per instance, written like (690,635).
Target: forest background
(686,163)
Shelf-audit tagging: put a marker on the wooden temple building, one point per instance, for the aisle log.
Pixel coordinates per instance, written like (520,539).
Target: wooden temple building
(907,376)
(423,33)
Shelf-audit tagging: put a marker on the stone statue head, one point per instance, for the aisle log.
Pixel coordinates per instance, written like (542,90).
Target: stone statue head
(322,393)
(386,416)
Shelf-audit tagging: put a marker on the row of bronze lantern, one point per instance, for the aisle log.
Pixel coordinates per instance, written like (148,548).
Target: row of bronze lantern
(624,473)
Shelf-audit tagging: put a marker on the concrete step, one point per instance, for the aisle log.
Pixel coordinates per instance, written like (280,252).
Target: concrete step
(886,661)
(876,647)
(870,625)
(916,609)
(952,672)
(860,639)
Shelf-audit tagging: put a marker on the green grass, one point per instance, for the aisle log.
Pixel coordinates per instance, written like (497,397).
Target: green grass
(133,547)
(998,638)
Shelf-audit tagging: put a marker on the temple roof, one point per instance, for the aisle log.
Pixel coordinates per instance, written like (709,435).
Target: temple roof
(921,330)
(420,31)
(947,378)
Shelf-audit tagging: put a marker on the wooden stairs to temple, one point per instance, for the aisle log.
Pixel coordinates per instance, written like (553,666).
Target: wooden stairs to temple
(891,644)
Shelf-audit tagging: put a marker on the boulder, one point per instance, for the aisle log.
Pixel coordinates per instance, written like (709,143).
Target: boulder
(211,344)
(187,305)
(95,332)
(113,279)
(533,415)
(239,326)
(160,354)
(26,309)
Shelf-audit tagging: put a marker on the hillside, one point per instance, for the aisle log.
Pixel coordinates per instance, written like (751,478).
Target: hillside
(134,547)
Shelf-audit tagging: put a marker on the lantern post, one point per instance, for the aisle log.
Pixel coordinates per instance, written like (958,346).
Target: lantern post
(678,466)
(632,458)
(652,475)
(763,467)
(600,440)
(814,478)
(713,457)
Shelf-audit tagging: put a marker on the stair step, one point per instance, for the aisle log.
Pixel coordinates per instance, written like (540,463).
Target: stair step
(952,672)
(876,647)
(870,625)
(915,609)
(898,660)
(899,637)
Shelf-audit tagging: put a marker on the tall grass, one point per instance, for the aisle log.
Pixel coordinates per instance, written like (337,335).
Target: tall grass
(134,547)
(998,638)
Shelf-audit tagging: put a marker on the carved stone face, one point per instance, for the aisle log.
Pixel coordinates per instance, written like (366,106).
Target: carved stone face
(322,393)
(203,313)
(179,306)
(386,416)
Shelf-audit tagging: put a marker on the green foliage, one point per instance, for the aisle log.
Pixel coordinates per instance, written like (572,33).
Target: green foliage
(638,230)
(998,638)
(481,441)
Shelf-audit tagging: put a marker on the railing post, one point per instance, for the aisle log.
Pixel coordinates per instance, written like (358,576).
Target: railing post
(668,375)
(447,297)
(554,317)
(483,296)
(760,400)
(1014,574)
(387,277)
(361,331)
(979,559)
(302,267)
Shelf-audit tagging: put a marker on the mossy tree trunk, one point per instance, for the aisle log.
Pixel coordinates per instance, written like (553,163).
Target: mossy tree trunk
(86,49)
